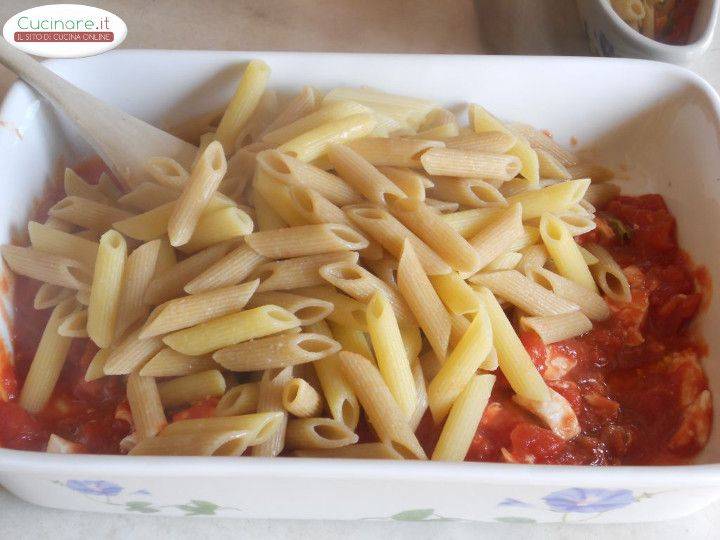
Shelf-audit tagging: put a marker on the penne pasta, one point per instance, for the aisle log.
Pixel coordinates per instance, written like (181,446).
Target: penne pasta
(197,443)
(471,192)
(191,388)
(533,257)
(347,311)
(469,222)
(601,194)
(455,293)
(352,340)
(411,182)
(46,267)
(96,367)
(87,214)
(441,207)
(301,400)
(469,164)
(421,403)
(307,310)
(167,172)
(590,303)
(74,325)
(75,186)
(506,261)
(218,226)
(503,233)
(50,240)
(298,272)
(147,196)
(376,450)
(270,400)
(493,142)
(318,433)
(131,353)
(169,363)
(540,140)
(306,240)
(564,252)
(49,295)
(554,328)
(106,288)
(330,112)
(609,276)
(302,104)
(240,399)
(554,198)
(139,271)
(228,270)
(393,152)
(550,167)
(147,410)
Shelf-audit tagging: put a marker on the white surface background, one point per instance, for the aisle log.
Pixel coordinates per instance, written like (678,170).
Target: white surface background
(433,26)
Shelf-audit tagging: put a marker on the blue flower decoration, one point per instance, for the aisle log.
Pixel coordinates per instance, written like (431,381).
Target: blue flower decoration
(94,487)
(514,502)
(588,501)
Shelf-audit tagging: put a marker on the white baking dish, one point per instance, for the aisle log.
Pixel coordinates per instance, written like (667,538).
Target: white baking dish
(661,122)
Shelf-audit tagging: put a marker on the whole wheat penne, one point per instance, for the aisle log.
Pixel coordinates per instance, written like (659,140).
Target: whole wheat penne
(375,450)
(298,272)
(240,399)
(74,325)
(308,310)
(361,285)
(318,433)
(87,214)
(379,224)
(524,293)
(198,308)
(306,240)
(47,267)
(169,363)
(609,276)
(471,192)
(171,283)
(421,297)
(469,164)
(276,352)
(50,240)
(49,295)
(270,400)
(167,172)
(204,180)
(555,328)
(301,400)
(139,271)
(218,226)
(76,186)
(106,288)
(229,270)
(147,196)
(363,176)
(191,388)
(386,417)
(394,151)
(48,361)
(347,311)
(493,142)
(437,234)
(411,182)
(131,353)
(231,329)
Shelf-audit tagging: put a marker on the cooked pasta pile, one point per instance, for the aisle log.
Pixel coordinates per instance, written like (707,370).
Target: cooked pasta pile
(357,253)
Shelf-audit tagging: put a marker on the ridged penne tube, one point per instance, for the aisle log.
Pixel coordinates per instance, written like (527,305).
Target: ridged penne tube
(59,224)
(198,443)
(540,140)
(260,426)
(555,328)
(302,104)
(262,115)
(170,284)
(609,276)
(96,368)
(392,360)
(277,195)
(298,272)
(471,192)
(597,173)
(455,293)
(411,182)
(131,353)
(346,310)
(530,236)
(385,416)
(276,352)
(421,297)
(190,310)
(204,180)
(533,257)
(601,194)
(385,269)
(308,310)
(167,172)
(292,171)
(469,164)
(169,363)
(393,152)
(461,364)
(506,261)
(438,124)
(351,339)
(218,226)
(577,224)
(231,329)
(87,214)
(314,143)
(75,185)
(166,258)
(421,403)
(147,410)
(49,295)
(458,326)
(46,267)
(524,293)
(375,450)
(379,224)
(50,240)
(229,270)
(139,271)
(565,252)
(74,325)
(191,388)
(240,170)
(504,232)
(106,288)
(306,240)
(469,222)
(363,176)
(463,420)
(240,399)
(243,103)
(301,399)
(360,284)
(554,198)
(591,303)
(550,167)
(270,400)
(327,113)
(48,361)
(318,433)
(147,196)
(437,234)
(492,142)
(514,361)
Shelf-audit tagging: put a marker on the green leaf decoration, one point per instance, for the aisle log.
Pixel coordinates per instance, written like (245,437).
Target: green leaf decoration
(198,508)
(418,514)
(143,507)
(514,519)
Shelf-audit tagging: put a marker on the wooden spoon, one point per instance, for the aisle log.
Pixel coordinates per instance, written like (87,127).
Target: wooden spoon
(124,142)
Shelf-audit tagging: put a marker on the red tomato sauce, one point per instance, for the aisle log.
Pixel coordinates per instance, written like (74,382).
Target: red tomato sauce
(673,21)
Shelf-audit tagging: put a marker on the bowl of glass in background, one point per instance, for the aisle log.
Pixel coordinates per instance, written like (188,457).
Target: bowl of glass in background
(675,31)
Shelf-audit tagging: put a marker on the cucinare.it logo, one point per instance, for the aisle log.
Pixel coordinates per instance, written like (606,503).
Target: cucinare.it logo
(65,31)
